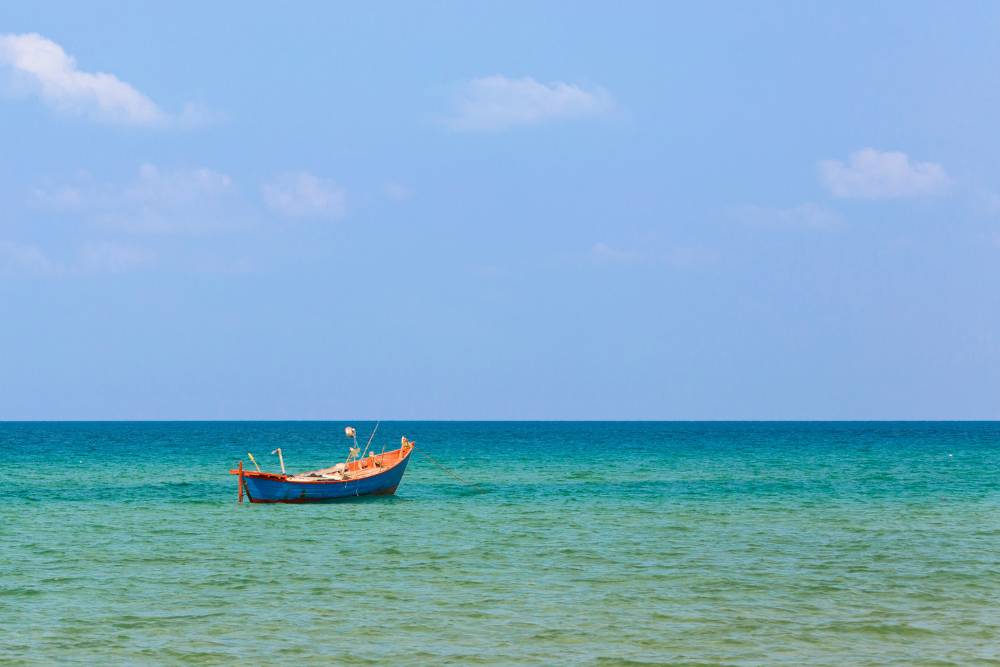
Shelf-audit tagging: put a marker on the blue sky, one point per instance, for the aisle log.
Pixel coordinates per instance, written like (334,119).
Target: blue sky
(499,210)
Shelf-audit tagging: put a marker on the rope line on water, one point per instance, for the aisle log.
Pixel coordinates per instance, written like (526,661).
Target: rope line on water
(449,472)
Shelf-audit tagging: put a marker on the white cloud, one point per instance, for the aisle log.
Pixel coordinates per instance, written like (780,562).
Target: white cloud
(113,257)
(874,174)
(157,200)
(497,102)
(38,66)
(603,253)
(681,257)
(803,216)
(397,191)
(92,258)
(302,195)
(23,259)
(986,202)
(691,256)
(163,189)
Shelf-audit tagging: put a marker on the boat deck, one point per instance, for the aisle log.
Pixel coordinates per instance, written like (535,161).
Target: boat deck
(360,469)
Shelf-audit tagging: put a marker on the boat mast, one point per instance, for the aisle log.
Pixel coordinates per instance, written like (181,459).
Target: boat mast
(281,459)
(370,439)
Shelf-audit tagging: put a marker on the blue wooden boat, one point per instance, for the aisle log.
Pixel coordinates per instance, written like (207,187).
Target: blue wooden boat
(371,475)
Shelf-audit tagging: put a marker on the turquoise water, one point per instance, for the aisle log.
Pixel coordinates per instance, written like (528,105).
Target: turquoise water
(585,543)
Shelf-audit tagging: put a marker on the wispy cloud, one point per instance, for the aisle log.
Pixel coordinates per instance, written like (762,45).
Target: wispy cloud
(602,253)
(874,174)
(676,256)
(158,188)
(156,201)
(985,202)
(303,195)
(38,66)
(113,257)
(397,191)
(498,102)
(690,256)
(803,216)
(25,259)
(96,257)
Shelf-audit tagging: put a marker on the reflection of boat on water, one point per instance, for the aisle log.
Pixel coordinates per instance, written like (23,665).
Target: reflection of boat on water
(361,475)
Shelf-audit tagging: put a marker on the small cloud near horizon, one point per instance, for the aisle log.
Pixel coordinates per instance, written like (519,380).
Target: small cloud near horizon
(874,174)
(40,67)
(94,257)
(498,102)
(157,201)
(26,259)
(674,256)
(113,257)
(397,191)
(304,195)
(603,253)
(803,216)
(691,256)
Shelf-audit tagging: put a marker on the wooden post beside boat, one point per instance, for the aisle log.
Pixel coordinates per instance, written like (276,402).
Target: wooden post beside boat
(240,468)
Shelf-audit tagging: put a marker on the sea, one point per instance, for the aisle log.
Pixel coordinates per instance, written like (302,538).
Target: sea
(507,543)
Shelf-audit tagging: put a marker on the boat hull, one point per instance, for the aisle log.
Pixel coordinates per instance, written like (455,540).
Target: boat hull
(268,489)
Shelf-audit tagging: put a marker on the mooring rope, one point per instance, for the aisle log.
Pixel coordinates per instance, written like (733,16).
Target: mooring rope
(449,472)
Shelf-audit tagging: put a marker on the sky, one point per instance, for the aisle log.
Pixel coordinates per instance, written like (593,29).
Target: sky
(481,210)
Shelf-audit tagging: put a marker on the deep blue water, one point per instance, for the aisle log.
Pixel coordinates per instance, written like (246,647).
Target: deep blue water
(572,543)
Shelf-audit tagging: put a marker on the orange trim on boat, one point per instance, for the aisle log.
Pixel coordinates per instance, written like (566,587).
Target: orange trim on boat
(354,466)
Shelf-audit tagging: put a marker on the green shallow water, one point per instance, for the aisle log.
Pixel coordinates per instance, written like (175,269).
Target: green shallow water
(586,543)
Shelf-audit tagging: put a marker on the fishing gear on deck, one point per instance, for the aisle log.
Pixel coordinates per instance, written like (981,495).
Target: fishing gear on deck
(352,433)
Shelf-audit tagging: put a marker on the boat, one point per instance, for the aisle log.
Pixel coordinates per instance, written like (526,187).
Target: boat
(360,475)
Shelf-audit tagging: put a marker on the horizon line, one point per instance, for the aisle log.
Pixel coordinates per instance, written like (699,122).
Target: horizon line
(482,420)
